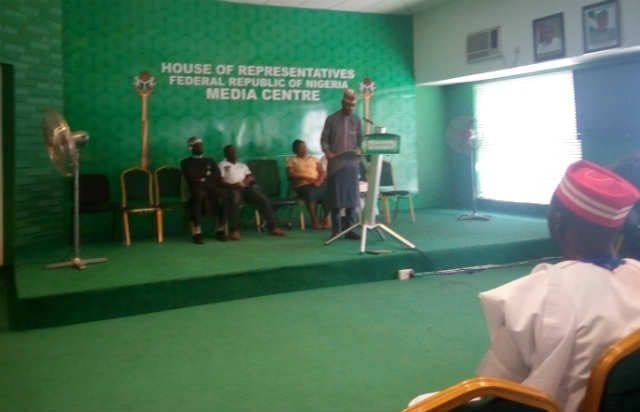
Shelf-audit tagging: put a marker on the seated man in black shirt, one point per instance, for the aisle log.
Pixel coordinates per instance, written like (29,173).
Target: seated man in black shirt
(205,185)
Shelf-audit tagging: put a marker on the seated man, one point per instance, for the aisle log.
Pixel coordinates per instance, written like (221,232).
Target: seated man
(307,178)
(203,178)
(239,181)
(548,329)
(629,168)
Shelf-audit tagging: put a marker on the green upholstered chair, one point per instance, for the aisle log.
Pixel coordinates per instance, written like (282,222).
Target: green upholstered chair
(137,197)
(169,191)
(267,177)
(388,190)
(614,384)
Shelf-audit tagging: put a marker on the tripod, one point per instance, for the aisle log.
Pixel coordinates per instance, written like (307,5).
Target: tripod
(368,220)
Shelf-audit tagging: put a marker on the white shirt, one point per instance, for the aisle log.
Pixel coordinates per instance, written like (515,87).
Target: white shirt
(548,329)
(233,173)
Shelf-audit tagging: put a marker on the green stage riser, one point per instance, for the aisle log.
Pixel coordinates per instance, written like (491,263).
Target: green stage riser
(137,299)
(149,277)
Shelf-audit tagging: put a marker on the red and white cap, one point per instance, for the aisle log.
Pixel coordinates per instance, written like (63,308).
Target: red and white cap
(596,194)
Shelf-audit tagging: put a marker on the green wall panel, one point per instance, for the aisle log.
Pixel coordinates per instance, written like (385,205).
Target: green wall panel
(433,155)
(106,43)
(31,41)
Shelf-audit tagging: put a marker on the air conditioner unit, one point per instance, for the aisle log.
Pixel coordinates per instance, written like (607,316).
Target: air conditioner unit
(483,45)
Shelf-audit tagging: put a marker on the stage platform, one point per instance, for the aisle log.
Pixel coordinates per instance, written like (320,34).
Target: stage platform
(148,277)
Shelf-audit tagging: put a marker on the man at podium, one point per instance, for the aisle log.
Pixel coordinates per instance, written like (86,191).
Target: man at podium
(340,142)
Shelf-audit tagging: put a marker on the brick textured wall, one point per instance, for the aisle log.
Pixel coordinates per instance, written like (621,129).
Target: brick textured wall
(31,41)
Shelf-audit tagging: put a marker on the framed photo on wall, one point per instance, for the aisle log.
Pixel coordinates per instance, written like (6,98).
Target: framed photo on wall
(548,37)
(601,26)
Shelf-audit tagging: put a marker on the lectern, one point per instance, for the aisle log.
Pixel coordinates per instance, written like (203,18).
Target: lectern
(375,145)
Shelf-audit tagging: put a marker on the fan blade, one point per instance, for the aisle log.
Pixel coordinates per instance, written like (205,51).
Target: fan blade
(61,142)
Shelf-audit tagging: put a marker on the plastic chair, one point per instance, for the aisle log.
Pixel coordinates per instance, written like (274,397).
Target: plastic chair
(168,191)
(267,178)
(614,384)
(497,395)
(387,181)
(137,197)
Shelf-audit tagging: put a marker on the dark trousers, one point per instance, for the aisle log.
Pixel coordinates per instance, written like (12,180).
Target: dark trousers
(210,200)
(338,224)
(254,196)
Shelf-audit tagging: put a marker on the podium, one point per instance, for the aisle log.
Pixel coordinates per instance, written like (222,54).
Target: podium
(375,145)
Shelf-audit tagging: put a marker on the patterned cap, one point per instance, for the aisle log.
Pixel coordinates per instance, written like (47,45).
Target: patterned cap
(193,140)
(596,194)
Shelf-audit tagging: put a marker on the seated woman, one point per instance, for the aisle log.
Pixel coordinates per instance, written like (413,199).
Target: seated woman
(307,177)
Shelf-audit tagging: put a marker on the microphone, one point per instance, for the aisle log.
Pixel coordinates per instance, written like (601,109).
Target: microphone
(368,121)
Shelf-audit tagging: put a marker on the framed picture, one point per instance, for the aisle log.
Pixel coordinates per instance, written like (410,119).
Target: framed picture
(548,37)
(601,26)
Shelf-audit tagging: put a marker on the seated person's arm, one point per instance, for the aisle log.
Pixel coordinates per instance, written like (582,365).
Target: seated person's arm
(248,180)
(321,174)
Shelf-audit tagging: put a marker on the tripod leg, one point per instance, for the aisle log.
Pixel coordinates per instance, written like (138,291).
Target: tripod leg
(397,236)
(344,232)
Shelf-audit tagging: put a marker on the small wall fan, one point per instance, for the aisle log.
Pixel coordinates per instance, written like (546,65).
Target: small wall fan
(62,147)
(462,138)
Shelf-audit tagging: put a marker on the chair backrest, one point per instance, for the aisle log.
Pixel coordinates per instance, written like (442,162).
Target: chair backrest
(386,175)
(500,395)
(614,384)
(267,175)
(93,189)
(168,184)
(136,186)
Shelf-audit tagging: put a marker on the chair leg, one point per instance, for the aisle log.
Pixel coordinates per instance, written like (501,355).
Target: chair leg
(301,213)
(396,207)
(125,228)
(258,221)
(411,210)
(160,225)
(385,207)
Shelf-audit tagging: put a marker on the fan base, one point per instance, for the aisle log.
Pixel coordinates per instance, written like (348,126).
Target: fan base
(474,216)
(76,262)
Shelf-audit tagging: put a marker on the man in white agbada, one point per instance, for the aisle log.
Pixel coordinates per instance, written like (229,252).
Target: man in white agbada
(548,329)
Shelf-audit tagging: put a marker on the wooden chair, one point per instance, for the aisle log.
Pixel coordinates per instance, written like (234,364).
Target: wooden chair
(169,192)
(614,384)
(137,197)
(498,395)
(388,191)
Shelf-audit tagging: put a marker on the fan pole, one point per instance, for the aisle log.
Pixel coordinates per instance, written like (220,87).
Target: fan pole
(76,261)
(474,215)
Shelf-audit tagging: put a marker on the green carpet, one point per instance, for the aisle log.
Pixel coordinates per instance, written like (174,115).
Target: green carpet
(366,347)
(148,277)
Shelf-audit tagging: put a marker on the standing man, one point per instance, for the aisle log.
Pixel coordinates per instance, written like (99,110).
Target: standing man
(203,178)
(340,142)
(240,183)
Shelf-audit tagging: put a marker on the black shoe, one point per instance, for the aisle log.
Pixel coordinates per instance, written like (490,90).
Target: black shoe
(221,236)
(352,235)
(197,239)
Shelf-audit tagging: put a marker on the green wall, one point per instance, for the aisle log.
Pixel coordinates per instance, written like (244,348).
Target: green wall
(433,164)
(31,42)
(106,43)
(443,174)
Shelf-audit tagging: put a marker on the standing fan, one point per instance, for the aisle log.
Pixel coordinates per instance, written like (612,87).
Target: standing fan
(462,138)
(62,146)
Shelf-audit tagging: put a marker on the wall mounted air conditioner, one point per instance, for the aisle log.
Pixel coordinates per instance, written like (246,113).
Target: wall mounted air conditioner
(483,45)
